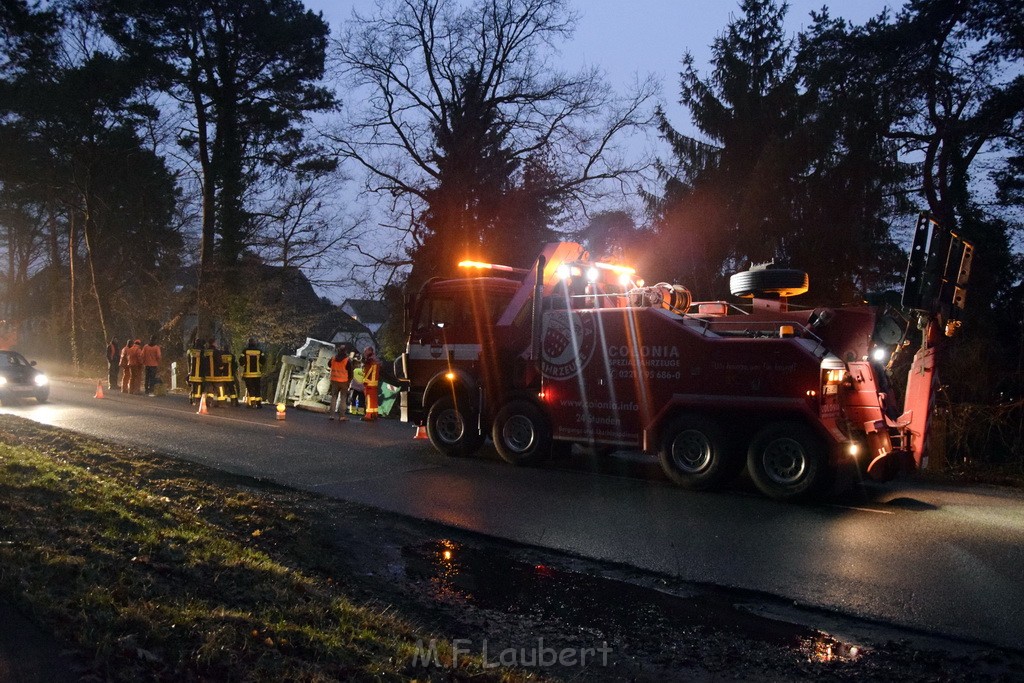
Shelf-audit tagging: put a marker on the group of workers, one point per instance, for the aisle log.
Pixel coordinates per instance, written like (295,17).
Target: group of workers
(211,373)
(347,387)
(133,367)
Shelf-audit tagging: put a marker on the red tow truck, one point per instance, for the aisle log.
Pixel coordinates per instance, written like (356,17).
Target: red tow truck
(580,351)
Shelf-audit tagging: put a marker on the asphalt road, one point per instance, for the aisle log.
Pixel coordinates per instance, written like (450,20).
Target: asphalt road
(942,560)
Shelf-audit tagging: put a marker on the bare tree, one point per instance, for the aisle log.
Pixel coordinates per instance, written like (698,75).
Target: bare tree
(304,225)
(457,97)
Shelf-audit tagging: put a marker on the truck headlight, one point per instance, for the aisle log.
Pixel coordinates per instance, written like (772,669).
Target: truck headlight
(42,380)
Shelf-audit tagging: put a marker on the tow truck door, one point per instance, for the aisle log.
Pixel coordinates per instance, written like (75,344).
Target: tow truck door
(581,388)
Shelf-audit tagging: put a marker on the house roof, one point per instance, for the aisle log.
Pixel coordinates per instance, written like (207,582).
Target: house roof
(367,311)
(337,321)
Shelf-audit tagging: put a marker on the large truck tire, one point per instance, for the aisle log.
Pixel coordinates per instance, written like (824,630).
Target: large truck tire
(787,461)
(521,433)
(771,281)
(452,429)
(695,454)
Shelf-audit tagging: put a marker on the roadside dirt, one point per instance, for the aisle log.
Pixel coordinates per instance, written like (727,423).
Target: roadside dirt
(518,602)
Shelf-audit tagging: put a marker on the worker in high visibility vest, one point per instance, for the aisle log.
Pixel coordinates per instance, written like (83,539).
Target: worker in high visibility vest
(218,368)
(195,372)
(371,378)
(224,382)
(341,375)
(208,369)
(251,365)
(356,390)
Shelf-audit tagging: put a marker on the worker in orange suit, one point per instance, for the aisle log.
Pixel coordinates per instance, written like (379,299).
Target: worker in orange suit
(126,377)
(151,356)
(371,378)
(341,366)
(136,365)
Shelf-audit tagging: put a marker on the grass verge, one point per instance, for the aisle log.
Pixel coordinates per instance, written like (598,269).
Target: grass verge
(160,569)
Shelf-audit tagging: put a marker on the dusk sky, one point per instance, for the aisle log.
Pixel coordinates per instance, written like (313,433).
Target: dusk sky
(640,38)
(649,36)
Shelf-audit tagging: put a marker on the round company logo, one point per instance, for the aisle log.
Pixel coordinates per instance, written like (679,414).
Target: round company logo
(567,344)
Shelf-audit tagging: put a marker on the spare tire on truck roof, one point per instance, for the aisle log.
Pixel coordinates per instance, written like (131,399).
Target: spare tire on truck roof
(770,281)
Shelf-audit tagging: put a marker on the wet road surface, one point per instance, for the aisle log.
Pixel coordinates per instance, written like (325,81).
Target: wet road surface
(942,560)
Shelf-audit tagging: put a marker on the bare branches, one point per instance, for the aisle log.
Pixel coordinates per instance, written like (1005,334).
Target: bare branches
(416,66)
(302,223)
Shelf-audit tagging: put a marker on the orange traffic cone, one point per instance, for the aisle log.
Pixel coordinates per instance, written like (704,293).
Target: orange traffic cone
(99,390)
(202,406)
(280,411)
(421,432)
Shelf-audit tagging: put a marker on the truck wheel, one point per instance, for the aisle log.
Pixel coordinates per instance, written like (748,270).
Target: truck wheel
(452,430)
(695,454)
(787,462)
(521,433)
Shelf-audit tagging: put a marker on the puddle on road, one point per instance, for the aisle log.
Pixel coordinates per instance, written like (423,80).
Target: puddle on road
(492,579)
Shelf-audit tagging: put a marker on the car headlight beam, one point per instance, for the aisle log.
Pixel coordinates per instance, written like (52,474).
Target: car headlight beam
(42,380)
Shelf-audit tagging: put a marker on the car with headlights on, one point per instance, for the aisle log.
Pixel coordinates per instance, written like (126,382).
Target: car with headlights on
(20,378)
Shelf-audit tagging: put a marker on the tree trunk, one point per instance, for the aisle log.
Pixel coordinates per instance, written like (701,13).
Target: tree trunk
(55,259)
(204,323)
(92,265)
(9,303)
(71,292)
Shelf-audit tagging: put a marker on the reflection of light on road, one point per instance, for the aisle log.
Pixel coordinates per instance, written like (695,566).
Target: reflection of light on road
(446,570)
(859,509)
(997,517)
(46,412)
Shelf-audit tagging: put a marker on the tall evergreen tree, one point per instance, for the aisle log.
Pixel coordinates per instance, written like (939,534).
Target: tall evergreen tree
(787,170)
(28,50)
(246,74)
(83,173)
(529,214)
(474,171)
(727,199)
